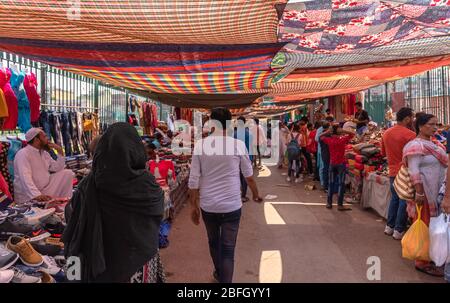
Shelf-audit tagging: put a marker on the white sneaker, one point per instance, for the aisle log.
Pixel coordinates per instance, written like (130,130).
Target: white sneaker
(288,179)
(35,215)
(49,266)
(398,235)
(6,276)
(21,277)
(297,180)
(388,230)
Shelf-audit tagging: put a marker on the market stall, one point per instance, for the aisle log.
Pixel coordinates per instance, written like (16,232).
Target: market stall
(376,193)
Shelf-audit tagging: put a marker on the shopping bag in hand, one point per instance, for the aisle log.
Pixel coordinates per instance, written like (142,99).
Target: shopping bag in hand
(439,239)
(416,241)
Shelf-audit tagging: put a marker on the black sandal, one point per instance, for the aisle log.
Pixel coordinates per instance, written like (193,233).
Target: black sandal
(245,199)
(431,270)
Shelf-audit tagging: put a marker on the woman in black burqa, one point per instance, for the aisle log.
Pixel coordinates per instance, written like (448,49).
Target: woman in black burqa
(113,218)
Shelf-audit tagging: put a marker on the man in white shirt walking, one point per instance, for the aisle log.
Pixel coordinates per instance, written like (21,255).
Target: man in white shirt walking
(36,175)
(215,191)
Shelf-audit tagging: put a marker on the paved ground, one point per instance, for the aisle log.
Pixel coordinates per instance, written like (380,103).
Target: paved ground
(292,238)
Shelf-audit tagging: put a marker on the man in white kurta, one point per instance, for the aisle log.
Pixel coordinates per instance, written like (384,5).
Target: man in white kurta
(36,175)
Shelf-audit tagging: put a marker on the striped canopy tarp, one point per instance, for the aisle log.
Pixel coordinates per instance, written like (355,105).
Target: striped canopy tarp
(179,46)
(193,83)
(136,21)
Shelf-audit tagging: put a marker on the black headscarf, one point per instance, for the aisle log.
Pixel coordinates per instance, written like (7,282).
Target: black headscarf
(114,216)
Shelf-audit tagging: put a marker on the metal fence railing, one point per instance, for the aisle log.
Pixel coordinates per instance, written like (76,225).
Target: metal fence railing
(427,92)
(62,89)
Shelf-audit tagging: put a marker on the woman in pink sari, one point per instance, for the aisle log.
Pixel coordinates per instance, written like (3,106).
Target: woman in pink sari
(427,166)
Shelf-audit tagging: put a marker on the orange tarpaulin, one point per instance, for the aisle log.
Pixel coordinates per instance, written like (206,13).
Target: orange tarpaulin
(371,73)
(360,79)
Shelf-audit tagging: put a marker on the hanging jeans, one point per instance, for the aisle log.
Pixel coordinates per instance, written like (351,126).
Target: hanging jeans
(44,122)
(74,133)
(65,132)
(336,175)
(222,230)
(55,128)
(397,215)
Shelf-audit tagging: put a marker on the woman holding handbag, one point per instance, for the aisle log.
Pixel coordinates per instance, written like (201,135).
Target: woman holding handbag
(427,166)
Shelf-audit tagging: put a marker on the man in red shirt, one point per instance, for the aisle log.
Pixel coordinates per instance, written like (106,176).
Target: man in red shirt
(392,143)
(336,143)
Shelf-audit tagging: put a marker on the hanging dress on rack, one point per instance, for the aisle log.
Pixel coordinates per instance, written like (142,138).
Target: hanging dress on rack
(24,117)
(11,100)
(30,86)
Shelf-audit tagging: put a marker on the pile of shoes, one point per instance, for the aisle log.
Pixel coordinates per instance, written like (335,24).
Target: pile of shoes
(30,243)
(21,263)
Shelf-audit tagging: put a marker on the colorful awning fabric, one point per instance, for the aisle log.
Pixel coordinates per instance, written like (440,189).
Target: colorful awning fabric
(231,47)
(146,57)
(136,21)
(341,26)
(193,83)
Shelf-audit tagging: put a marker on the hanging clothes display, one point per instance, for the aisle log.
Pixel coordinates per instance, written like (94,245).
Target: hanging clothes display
(187,115)
(65,133)
(3,108)
(351,105)
(80,130)
(30,86)
(150,114)
(10,122)
(14,146)
(24,116)
(73,129)
(155,120)
(55,128)
(344,104)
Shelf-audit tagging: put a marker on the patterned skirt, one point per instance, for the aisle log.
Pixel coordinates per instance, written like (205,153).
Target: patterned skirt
(151,272)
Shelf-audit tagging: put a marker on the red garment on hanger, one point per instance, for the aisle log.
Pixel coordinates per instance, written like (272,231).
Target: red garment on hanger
(30,86)
(332,105)
(155,121)
(163,166)
(351,104)
(344,107)
(147,111)
(11,100)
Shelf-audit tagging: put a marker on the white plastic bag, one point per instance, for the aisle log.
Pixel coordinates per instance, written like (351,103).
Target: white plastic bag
(439,239)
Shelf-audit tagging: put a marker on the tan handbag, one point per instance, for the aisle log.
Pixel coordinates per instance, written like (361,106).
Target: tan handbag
(403,185)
